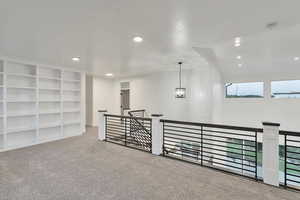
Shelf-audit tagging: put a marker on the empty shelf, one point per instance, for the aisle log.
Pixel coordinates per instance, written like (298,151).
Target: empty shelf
(20,129)
(20,114)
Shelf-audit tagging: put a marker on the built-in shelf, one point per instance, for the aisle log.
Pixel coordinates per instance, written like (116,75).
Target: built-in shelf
(69,80)
(20,68)
(18,87)
(72,111)
(71,129)
(49,112)
(50,73)
(22,75)
(72,90)
(50,139)
(17,146)
(72,101)
(49,101)
(20,129)
(50,78)
(20,101)
(20,114)
(53,125)
(54,89)
(71,123)
(37,104)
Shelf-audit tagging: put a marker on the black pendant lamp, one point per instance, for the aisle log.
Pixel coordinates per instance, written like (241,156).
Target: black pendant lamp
(180,92)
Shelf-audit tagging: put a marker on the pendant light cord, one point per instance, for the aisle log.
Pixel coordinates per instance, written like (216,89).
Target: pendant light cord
(180,74)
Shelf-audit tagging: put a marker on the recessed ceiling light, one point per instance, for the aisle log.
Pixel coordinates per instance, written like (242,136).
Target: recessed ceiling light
(237,44)
(109,74)
(76,59)
(240,65)
(239,57)
(237,40)
(296,58)
(138,39)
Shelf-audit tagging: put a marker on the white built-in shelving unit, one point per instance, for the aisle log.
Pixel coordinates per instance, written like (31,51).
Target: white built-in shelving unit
(37,104)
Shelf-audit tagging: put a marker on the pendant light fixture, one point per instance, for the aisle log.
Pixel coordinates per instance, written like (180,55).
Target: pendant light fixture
(180,92)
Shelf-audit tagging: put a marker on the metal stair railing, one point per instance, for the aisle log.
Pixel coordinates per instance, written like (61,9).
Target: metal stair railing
(130,131)
(138,130)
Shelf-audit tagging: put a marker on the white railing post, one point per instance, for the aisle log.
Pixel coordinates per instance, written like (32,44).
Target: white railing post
(270,151)
(157,134)
(101,125)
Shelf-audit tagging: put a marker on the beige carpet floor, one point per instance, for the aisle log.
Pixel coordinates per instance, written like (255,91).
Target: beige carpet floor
(84,168)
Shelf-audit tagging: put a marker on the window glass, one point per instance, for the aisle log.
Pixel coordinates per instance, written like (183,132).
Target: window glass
(286,89)
(245,90)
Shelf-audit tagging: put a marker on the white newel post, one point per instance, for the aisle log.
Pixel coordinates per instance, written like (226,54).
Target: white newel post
(157,134)
(101,125)
(270,153)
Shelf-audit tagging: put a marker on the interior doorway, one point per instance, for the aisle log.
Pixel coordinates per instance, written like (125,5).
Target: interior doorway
(125,97)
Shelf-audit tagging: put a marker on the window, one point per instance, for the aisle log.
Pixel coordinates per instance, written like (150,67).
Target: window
(245,90)
(285,89)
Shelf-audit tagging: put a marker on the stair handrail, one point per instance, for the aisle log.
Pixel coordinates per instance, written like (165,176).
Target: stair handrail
(139,123)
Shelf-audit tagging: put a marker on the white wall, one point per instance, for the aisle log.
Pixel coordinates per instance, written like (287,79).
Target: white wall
(218,94)
(155,93)
(205,100)
(103,97)
(251,112)
(89,100)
